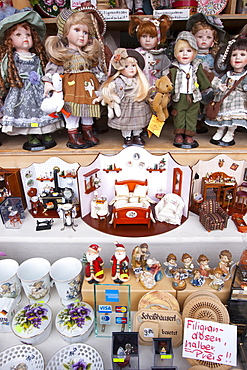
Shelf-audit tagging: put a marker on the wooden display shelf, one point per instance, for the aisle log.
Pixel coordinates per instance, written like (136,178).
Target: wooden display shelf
(156,169)
(113,170)
(45,179)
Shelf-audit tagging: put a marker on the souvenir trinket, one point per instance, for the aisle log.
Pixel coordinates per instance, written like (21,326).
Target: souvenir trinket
(94,272)
(203,265)
(178,282)
(225,263)
(170,265)
(197,279)
(140,254)
(120,263)
(218,279)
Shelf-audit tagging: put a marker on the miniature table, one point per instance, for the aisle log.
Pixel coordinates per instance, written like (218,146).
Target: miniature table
(219,190)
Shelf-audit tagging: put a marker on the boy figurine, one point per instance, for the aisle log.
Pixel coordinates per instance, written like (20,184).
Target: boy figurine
(189,80)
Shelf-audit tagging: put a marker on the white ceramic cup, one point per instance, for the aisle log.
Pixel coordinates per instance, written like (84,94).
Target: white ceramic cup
(35,279)
(10,285)
(66,273)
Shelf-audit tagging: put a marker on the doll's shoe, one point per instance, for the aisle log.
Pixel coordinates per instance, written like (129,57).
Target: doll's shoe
(88,135)
(219,134)
(139,11)
(228,139)
(128,141)
(189,143)
(137,140)
(76,141)
(188,139)
(178,139)
(47,141)
(33,144)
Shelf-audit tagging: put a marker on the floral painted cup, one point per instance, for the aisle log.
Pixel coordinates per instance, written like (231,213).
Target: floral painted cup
(10,285)
(67,276)
(35,279)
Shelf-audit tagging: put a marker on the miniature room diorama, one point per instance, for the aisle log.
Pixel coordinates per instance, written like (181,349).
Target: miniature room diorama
(51,188)
(134,187)
(11,184)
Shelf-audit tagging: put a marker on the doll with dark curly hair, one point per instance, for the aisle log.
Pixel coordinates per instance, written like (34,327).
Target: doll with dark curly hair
(23,60)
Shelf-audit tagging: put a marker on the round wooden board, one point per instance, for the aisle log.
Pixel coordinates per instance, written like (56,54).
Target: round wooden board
(159,299)
(200,293)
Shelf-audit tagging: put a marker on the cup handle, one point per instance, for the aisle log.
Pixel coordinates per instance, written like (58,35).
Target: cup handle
(52,283)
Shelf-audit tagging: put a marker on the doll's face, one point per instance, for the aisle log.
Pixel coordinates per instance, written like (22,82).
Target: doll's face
(77,36)
(224,259)
(148,42)
(238,60)
(185,55)
(22,39)
(130,69)
(204,38)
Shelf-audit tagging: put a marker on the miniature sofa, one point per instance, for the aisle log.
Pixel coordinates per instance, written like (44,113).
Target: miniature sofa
(212,216)
(170,209)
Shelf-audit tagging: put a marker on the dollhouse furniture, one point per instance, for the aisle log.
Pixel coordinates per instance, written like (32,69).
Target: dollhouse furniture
(98,205)
(170,209)
(10,180)
(212,216)
(241,196)
(219,187)
(131,205)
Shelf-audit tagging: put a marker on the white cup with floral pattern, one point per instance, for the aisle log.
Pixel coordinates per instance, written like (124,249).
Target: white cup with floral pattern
(10,285)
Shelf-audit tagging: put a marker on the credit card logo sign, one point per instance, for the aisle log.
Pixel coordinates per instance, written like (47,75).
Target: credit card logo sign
(121,309)
(105,320)
(105,308)
(121,320)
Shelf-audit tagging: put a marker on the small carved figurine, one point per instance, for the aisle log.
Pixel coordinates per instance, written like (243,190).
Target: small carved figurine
(151,274)
(203,265)
(94,272)
(218,279)
(140,254)
(225,263)
(178,283)
(187,261)
(197,279)
(170,264)
(120,262)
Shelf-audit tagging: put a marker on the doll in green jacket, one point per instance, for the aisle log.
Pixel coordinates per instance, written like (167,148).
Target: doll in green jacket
(189,80)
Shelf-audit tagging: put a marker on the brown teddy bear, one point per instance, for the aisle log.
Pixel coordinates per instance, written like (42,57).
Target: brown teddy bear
(164,87)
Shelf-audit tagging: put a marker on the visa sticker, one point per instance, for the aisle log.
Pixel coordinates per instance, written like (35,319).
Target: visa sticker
(104,308)
(121,320)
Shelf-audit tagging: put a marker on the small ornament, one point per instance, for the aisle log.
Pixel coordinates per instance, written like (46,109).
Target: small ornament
(178,283)
(120,263)
(225,263)
(140,254)
(188,265)
(197,278)
(170,265)
(203,265)
(218,279)
(94,272)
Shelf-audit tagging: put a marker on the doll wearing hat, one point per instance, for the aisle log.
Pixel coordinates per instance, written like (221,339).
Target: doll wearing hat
(189,80)
(94,272)
(75,52)
(125,91)
(23,60)
(120,263)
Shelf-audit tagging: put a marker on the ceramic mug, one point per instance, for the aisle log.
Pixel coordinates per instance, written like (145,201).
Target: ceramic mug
(66,273)
(10,285)
(35,279)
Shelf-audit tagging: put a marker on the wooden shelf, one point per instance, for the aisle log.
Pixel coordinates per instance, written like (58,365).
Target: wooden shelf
(157,169)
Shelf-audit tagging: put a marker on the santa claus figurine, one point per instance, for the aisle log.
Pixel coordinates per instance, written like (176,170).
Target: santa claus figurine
(94,272)
(120,262)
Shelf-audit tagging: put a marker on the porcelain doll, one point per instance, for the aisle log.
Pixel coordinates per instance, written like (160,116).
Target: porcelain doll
(187,261)
(140,254)
(233,111)
(197,278)
(217,277)
(6,9)
(189,81)
(170,265)
(225,263)
(120,265)
(94,272)
(151,34)
(125,92)
(204,267)
(75,52)
(23,60)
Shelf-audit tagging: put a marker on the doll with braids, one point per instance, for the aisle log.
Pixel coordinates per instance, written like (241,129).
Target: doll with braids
(23,60)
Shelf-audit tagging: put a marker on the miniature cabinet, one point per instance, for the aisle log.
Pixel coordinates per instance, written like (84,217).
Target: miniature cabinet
(11,185)
(219,187)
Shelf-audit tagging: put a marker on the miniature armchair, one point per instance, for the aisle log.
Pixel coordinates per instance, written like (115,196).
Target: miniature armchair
(212,216)
(170,209)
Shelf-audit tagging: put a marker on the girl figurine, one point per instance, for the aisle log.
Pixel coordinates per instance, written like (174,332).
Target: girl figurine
(75,52)
(125,92)
(151,33)
(232,88)
(197,278)
(23,60)
(188,265)
(170,265)
(217,277)
(203,263)
(189,80)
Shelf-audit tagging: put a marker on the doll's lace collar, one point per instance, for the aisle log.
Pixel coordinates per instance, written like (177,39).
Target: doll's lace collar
(128,81)
(25,56)
(236,76)
(153,51)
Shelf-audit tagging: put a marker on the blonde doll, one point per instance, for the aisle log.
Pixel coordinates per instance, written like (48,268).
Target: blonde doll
(23,60)
(151,33)
(126,90)
(76,53)
(233,111)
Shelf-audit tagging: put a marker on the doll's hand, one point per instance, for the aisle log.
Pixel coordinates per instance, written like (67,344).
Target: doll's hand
(47,88)
(222,87)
